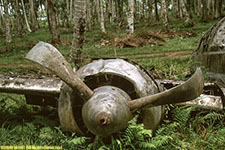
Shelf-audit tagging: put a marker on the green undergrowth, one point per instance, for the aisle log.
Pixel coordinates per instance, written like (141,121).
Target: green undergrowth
(147,55)
(185,128)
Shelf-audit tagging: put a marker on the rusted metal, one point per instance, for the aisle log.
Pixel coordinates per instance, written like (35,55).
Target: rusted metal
(204,101)
(187,91)
(49,89)
(33,86)
(49,57)
(211,52)
(121,74)
(119,88)
(107,111)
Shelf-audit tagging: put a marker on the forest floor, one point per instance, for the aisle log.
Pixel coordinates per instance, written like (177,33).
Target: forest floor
(165,55)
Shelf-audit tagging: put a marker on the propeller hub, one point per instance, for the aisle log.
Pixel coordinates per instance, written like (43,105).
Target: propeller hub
(106,112)
(103,119)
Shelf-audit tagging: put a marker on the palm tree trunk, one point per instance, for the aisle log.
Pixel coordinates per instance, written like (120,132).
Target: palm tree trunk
(98,10)
(54,30)
(204,10)
(216,15)
(186,14)
(7,27)
(150,19)
(71,10)
(110,11)
(79,31)
(88,3)
(25,17)
(1,19)
(130,17)
(113,11)
(102,20)
(156,11)
(1,26)
(199,12)
(221,8)
(164,15)
(33,16)
(19,27)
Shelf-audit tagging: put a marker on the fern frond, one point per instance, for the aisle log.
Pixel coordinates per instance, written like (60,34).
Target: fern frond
(78,140)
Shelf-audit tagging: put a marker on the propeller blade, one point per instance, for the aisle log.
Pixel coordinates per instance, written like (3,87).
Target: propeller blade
(189,90)
(49,57)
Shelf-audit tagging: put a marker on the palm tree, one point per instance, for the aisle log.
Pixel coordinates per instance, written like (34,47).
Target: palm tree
(130,17)
(79,31)
(7,26)
(53,23)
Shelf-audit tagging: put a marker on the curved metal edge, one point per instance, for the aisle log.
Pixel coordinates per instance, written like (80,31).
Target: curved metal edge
(189,90)
(144,84)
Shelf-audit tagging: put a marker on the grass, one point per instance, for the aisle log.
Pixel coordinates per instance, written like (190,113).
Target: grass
(183,127)
(92,48)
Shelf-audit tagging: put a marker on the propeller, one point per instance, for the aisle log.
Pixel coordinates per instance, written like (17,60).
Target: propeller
(189,90)
(49,57)
(107,110)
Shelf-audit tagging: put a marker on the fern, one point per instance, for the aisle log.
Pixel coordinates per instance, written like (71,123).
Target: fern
(182,114)
(78,141)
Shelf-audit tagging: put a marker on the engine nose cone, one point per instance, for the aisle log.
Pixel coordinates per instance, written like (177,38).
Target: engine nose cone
(103,119)
(106,112)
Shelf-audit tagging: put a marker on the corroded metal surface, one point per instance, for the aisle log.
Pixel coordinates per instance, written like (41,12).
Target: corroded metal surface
(207,102)
(107,111)
(120,69)
(211,52)
(144,85)
(26,85)
(186,91)
(49,57)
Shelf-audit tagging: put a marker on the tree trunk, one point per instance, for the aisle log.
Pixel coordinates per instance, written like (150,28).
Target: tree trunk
(204,10)
(130,17)
(34,25)
(98,10)
(141,10)
(186,15)
(95,12)
(119,8)
(180,9)
(209,3)
(110,10)
(221,8)
(19,27)
(54,30)
(7,26)
(213,7)
(156,11)
(48,16)
(196,7)
(113,11)
(25,17)
(164,10)
(1,25)
(199,8)
(67,13)
(150,19)
(216,15)
(79,31)
(189,7)
(88,3)
(102,20)
(71,10)
(1,20)
(174,8)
